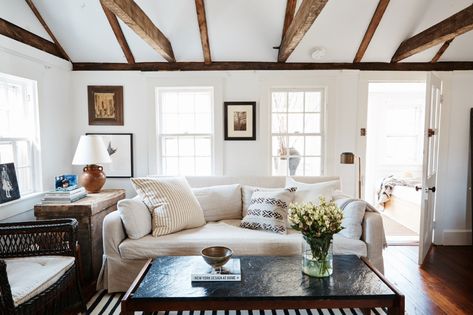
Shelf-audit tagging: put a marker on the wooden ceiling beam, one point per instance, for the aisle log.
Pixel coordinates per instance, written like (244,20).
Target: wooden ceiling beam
(117,30)
(48,30)
(305,17)
(375,20)
(446,30)
(289,16)
(225,66)
(26,37)
(204,34)
(441,51)
(130,13)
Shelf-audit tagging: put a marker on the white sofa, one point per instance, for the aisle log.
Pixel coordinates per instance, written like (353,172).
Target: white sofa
(124,257)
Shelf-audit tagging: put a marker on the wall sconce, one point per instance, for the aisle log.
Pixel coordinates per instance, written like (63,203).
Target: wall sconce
(349,158)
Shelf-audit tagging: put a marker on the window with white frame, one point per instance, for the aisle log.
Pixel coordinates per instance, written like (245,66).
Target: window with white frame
(185,131)
(19,131)
(297,124)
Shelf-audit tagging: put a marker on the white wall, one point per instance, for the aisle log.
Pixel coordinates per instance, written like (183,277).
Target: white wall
(63,118)
(54,102)
(453,217)
(344,105)
(233,157)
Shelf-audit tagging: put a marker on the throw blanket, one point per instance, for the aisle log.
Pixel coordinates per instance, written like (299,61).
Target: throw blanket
(387,185)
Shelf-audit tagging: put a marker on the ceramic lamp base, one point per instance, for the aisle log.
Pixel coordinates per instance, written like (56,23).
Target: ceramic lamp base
(93,178)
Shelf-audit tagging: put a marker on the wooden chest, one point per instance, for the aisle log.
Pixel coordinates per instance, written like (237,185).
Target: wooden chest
(90,212)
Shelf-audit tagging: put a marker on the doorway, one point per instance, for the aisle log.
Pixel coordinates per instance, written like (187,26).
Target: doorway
(394,157)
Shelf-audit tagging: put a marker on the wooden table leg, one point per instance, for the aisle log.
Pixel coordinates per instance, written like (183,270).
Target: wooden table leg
(398,308)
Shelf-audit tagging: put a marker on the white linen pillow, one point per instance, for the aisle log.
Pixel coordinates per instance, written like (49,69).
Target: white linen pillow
(353,214)
(135,216)
(221,202)
(311,192)
(268,210)
(172,204)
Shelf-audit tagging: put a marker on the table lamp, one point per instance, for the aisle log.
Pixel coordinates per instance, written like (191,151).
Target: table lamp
(349,158)
(90,152)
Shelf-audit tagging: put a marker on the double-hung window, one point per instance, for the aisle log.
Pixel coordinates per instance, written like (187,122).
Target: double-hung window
(297,125)
(185,131)
(19,131)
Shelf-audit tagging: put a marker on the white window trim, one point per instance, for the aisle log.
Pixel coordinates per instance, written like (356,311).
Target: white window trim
(323,123)
(30,88)
(159,133)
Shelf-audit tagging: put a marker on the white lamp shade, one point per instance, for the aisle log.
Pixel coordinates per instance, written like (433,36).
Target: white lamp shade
(91,150)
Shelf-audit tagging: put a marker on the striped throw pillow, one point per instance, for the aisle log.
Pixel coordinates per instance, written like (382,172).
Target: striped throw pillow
(268,210)
(171,202)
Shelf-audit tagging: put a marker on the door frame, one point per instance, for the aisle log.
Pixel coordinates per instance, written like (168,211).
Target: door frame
(376,77)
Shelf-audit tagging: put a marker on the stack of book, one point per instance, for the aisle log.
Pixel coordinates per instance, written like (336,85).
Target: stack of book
(229,272)
(64,196)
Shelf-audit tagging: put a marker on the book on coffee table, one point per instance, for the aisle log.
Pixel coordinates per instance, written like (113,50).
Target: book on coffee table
(229,272)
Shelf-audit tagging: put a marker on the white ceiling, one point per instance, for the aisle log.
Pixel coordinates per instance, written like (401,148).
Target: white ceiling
(242,30)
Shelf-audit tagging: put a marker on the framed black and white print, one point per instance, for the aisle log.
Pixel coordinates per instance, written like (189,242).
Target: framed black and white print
(120,149)
(8,183)
(239,120)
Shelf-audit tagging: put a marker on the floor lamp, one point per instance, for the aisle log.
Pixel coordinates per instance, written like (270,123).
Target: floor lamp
(349,158)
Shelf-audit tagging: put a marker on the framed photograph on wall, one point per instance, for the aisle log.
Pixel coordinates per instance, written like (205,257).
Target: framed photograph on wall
(120,149)
(240,120)
(8,183)
(105,105)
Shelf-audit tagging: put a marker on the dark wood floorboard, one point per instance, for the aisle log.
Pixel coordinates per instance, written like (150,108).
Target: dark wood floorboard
(442,285)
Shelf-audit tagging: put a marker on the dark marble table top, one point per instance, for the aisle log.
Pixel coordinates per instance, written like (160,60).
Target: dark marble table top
(263,277)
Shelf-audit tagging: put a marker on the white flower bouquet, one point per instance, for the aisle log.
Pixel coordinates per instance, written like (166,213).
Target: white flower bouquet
(317,223)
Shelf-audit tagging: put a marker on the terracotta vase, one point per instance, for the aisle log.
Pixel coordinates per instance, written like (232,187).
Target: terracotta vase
(93,178)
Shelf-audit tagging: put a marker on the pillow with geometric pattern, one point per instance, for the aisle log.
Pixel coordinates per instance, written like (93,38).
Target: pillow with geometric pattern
(268,210)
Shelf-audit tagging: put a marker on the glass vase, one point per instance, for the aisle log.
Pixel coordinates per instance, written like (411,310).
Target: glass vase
(317,256)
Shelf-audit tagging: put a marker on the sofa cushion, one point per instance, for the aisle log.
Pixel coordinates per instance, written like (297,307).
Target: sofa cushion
(29,276)
(243,242)
(135,216)
(311,192)
(353,214)
(219,202)
(268,210)
(247,192)
(172,204)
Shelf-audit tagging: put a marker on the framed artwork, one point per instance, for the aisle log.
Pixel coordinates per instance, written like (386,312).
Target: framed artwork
(105,105)
(240,120)
(120,149)
(8,183)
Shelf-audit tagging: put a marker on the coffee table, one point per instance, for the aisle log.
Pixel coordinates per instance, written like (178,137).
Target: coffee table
(268,282)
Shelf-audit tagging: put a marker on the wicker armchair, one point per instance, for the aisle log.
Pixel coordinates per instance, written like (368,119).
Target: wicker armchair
(39,240)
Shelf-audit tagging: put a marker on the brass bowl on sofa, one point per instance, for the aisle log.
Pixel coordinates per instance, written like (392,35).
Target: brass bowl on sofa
(216,256)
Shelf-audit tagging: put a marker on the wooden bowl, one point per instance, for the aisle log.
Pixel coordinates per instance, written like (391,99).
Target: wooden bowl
(216,256)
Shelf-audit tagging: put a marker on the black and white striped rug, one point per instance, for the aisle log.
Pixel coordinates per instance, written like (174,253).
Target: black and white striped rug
(103,303)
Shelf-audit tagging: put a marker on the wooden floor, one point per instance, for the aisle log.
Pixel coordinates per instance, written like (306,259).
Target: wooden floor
(443,285)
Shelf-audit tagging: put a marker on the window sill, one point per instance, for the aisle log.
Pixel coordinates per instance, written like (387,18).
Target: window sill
(22,199)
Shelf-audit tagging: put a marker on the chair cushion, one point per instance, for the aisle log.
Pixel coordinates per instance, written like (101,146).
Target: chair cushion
(135,217)
(243,242)
(221,202)
(29,276)
(172,204)
(311,192)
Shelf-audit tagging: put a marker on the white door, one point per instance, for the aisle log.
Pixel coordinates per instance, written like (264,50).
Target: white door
(430,165)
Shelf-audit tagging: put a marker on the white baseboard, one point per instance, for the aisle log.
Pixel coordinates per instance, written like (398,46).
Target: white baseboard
(457,237)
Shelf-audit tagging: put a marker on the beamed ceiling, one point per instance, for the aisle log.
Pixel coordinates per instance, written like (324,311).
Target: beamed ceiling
(151,35)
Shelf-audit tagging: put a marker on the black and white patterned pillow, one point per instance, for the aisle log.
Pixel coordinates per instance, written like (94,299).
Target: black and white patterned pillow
(268,210)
